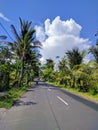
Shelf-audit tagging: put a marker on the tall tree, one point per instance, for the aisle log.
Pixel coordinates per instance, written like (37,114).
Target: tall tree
(5,67)
(49,63)
(75,57)
(94,51)
(24,43)
(48,70)
(62,65)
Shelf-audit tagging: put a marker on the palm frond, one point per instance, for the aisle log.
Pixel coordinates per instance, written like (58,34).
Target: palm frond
(3,37)
(15,33)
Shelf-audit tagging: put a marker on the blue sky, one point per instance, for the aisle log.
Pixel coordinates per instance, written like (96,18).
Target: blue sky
(83,12)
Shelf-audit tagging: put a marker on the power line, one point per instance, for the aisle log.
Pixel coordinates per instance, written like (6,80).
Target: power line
(6,31)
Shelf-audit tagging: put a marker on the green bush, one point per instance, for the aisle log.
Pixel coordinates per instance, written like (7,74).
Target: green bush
(12,96)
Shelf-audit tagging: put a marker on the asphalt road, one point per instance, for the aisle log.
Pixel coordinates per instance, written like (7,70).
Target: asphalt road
(45,107)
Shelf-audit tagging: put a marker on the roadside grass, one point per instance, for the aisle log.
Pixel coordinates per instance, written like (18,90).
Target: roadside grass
(87,95)
(10,98)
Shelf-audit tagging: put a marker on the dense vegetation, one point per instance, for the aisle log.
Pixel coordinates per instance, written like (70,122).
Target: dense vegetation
(71,72)
(19,62)
(19,59)
(19,65)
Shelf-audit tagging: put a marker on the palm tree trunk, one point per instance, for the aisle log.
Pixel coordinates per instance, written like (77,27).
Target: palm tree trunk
(28,73)
(21,73)
(73,85)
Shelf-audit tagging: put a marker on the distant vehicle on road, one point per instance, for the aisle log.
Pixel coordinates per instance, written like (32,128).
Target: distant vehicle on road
(37,80)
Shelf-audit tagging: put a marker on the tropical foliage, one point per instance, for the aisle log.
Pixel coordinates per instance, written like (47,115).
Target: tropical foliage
(19,63)
(19,59)
(73,72)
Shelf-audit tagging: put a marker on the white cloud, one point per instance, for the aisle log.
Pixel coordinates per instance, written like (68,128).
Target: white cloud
(58,36)
(4,17)
(40,35)
(59,27)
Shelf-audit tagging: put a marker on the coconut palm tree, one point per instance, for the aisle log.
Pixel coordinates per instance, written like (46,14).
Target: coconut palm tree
(94,51)
(75,57)
(50,63)
(32,64)
(23,45)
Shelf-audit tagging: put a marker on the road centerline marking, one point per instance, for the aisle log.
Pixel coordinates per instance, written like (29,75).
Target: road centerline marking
(62,100)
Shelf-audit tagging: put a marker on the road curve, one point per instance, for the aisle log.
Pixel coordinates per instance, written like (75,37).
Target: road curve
(44,107)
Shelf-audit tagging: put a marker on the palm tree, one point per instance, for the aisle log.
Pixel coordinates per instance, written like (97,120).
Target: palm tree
(23,45)
(94,51)
(75,57)
(62,65)
(50,63)
(32,64)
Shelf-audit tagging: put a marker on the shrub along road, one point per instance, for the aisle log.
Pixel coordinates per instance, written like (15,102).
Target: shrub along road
(44,107)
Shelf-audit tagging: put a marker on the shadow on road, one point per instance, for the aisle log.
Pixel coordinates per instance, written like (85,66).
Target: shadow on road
(30,90)
(23,103)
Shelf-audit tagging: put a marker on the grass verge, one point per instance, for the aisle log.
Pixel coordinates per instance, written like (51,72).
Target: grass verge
(86,95)
(9,99)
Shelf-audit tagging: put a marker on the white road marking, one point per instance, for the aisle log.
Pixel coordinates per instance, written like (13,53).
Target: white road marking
(62,100)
